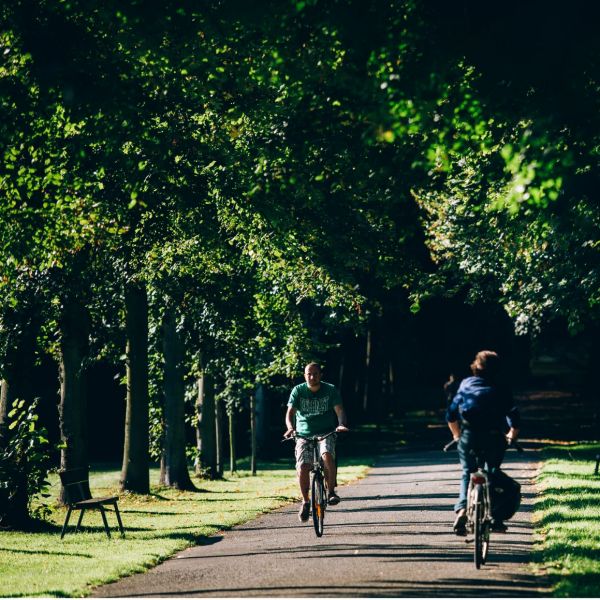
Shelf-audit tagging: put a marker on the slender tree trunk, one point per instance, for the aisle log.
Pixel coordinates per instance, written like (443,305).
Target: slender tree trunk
(198,467)
(357,375)
(341,372)
(5,402)
(135,475)
(232,456)
(366,390)
(261,416)
(173,468)
(253,434)
(73,404)
(219,436)
(206,441)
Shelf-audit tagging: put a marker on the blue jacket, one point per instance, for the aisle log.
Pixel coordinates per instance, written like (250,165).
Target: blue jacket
(481,405)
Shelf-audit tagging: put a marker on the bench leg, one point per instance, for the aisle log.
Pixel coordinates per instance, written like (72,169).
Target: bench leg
(119,519)
(105,521)
(62,533)
(81,511)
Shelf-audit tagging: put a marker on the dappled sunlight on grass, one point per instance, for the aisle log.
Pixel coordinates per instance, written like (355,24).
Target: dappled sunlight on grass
(157,525)
(568,517)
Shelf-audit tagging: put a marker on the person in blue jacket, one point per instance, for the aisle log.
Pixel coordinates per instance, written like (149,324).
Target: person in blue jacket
(482,416)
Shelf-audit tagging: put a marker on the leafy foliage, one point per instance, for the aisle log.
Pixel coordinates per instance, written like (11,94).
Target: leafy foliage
(24,465)
(278,174)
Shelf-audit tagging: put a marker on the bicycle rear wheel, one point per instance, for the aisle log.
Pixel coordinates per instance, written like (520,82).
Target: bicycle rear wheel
(478,525)
(318,502)
(485,544)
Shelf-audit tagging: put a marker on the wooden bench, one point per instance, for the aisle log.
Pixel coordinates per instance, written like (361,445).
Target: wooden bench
(76,484)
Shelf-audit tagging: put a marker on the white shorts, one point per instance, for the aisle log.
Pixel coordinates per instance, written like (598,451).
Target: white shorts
(304,450)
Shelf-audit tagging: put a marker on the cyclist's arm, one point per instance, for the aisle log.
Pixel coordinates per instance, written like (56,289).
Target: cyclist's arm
(452,417)
(454,429)
(341,416)
(289,420)
(513,418)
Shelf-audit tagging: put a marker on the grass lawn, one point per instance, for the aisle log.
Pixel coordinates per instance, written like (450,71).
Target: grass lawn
(567,515)
(157,526)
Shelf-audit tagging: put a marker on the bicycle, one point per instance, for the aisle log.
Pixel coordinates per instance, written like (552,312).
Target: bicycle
(318,483)
(479,505)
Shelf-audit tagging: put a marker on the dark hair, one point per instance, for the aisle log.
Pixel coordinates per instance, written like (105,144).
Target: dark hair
(313,364)
(486,364)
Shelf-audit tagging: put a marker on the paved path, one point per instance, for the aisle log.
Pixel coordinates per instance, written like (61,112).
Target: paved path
(390,536)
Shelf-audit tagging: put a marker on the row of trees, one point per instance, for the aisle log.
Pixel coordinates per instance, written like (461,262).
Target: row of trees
(212,196)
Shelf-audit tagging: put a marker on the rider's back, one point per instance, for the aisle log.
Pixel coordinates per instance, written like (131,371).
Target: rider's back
(482,405)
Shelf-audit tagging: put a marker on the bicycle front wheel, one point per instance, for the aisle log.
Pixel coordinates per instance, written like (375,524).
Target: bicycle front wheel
(478,525)
(318,502)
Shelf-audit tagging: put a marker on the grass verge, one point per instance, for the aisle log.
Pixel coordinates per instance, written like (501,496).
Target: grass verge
(157,526)
(567,515)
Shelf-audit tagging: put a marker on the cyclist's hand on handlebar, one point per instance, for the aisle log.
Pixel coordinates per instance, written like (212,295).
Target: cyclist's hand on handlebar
(511,442)
(451,444)
(512,435)
(342,429)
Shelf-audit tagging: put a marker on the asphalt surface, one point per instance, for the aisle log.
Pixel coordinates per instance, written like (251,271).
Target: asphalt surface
(390,536)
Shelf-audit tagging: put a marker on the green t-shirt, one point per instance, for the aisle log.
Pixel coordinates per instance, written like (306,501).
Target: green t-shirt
(314,410)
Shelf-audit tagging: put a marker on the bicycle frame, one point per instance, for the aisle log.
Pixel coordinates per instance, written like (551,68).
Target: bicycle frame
(479,505)
(319,492)
(479,477)
(479,511)
(317,463)
(318,482)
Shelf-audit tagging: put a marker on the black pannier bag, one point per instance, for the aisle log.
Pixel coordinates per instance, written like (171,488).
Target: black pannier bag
(505,495)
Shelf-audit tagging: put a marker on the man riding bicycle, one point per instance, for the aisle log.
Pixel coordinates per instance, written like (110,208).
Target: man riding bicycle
(311,406)
(482,417)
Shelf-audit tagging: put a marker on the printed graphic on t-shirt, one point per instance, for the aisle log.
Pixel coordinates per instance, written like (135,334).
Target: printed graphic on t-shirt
(309,407)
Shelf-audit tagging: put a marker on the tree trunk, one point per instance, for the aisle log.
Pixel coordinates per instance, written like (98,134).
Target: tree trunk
(198,467)
(5,402)
(173,468)
(341,371)
(232,456)
(253,434)
(366,389)
(261,416)
(135,475)
(74,328)
(219,436)
(206,439)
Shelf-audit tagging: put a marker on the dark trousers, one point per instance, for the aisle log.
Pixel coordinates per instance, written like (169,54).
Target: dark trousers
(490,444)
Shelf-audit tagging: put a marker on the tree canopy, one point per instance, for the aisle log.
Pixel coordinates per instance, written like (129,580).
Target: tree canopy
(266,177)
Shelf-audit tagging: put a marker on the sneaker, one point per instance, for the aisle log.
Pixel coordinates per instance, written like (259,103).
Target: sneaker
(333,499)
(304,512)
(498,527)
(460,523)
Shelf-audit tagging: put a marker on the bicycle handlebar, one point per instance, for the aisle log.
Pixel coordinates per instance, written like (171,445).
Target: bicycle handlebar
(317,438)
(449,445)
(511,444)
(515,446)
